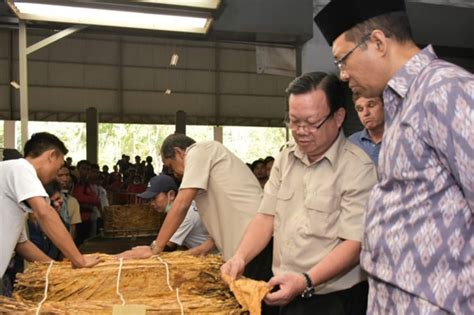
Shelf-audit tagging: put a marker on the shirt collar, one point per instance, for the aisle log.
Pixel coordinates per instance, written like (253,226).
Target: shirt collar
(331,154)
(404,78)
(365,135)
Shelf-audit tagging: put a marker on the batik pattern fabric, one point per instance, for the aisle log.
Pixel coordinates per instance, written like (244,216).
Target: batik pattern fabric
(385,299)
(419,234)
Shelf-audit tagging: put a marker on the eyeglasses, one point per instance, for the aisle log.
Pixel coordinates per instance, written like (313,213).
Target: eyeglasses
(294,124)
(340,63)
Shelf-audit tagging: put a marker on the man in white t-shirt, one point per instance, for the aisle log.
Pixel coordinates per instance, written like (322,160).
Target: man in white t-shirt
(191,234)
(22,192)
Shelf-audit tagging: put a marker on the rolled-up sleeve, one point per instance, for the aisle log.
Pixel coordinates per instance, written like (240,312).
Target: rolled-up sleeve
(23,236)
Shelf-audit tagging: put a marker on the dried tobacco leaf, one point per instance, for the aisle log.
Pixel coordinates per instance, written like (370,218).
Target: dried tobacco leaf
(248,292)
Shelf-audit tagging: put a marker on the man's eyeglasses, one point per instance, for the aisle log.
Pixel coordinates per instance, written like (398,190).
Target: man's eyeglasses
(294,124)
(340,63)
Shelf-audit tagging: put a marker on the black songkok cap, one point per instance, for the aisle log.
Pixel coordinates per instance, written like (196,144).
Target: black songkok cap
(339,16)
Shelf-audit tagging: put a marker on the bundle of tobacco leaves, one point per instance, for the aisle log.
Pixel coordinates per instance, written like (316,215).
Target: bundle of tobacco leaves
(142,282)
(118,220)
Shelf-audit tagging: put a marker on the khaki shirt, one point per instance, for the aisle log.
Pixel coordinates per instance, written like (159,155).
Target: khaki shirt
(316,205)
(73,209)
(228,196)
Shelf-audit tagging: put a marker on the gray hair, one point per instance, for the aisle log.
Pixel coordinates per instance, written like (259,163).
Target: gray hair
(173,141)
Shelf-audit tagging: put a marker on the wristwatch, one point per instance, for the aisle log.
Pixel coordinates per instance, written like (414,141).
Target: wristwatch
(309,291)
(152,245)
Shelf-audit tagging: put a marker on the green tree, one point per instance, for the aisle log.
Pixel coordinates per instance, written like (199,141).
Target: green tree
(248,143)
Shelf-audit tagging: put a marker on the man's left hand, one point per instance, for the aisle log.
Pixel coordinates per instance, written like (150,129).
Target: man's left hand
(290,284)
(139,252)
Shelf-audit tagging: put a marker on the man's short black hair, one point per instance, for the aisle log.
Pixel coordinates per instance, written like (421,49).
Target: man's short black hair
(176,140)
(52,188)
(95,167)
(85,162)
(41,142)
(11,154)
(255,163)
(330,84)
(269,159)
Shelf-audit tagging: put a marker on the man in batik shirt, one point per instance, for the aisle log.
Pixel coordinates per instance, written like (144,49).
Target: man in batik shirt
(419,232)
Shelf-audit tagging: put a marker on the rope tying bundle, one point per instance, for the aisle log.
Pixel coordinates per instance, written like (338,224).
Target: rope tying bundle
(38,309)
(169,284)
(118,282)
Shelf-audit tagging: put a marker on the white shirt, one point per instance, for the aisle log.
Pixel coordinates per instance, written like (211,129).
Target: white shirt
(18,183)
(191,233)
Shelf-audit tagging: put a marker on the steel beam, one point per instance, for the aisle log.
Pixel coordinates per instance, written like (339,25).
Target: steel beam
(23,52)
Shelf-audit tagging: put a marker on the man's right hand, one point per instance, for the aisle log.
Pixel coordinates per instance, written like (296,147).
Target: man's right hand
(138,252)
(87,262)
(234,267)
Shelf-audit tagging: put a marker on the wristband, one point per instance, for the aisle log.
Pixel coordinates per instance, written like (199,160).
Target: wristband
(309,291)
(153,246)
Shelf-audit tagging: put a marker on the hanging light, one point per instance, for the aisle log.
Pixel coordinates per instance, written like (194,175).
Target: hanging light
(207,4)
(174,59)
(126,16)
(15,84)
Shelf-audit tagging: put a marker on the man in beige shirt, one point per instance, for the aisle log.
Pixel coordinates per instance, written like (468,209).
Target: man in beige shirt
(313,205)
(226,192)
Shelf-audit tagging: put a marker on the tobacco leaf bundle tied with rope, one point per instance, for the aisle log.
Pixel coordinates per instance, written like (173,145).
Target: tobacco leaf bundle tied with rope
(173,283)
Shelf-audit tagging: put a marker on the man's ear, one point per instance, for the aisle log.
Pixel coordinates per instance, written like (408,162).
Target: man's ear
(179,152)
(379,39)
(340,115)
(51,154)
(172,195)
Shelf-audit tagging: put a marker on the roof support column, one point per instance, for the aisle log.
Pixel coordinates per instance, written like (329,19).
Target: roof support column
(9,134)
(23,67)
(180,122)
(219,134)
(23,52)
(92,134)
(217,99)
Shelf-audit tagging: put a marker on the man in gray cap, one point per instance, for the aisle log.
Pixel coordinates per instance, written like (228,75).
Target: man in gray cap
(191,234)
(419,232)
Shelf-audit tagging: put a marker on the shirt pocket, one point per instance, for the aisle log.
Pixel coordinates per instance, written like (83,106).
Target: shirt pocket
(323,212)
(284,197)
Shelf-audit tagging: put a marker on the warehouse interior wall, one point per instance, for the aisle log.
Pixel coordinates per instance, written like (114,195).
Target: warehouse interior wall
(216,82)
(125,79)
